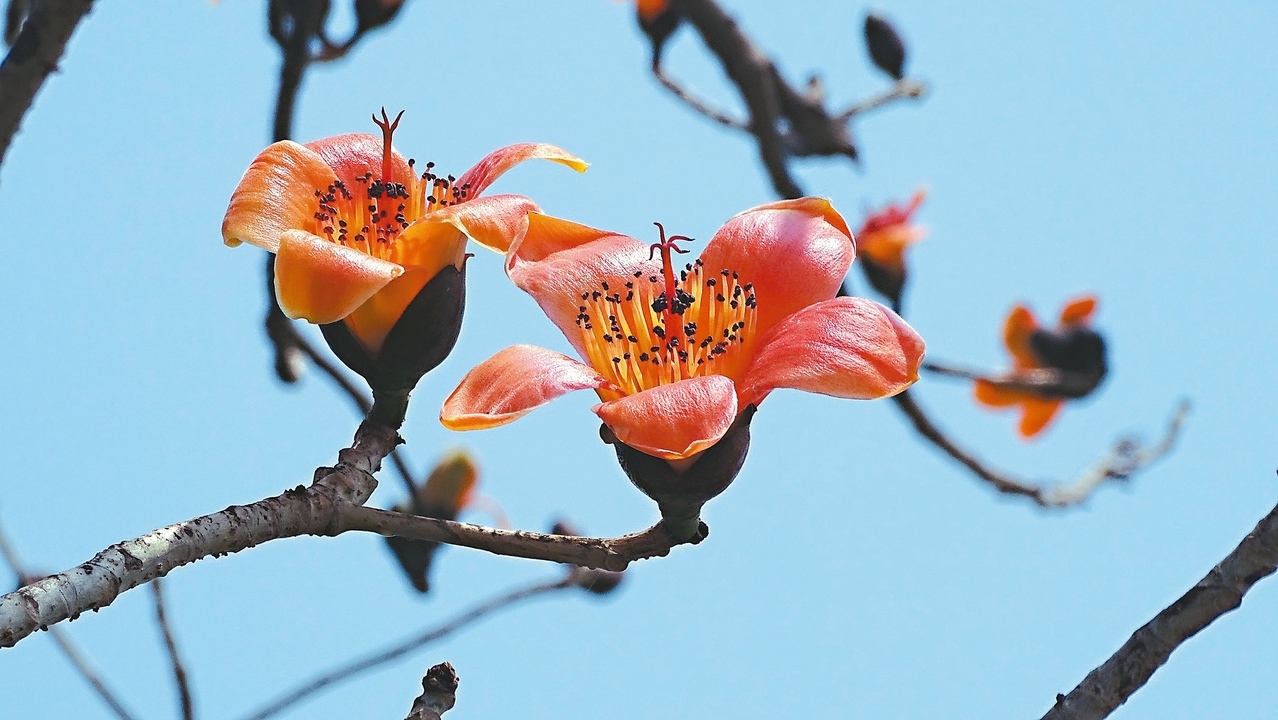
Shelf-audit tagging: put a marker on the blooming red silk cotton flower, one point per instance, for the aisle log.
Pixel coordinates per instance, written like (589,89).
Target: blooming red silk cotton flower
(358,233)
(1073,347)
(677,354)
(881,245)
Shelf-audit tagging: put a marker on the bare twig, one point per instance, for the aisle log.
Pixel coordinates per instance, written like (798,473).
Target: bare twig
(175,658)
(78,660)
(439,693)
(328,679)
(1123,461)
(1221,591)
(34,55)
(904,88)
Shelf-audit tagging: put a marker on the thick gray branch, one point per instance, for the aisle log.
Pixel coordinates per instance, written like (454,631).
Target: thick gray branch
(126,565)
(1222,590)
(34,55)
(330,506)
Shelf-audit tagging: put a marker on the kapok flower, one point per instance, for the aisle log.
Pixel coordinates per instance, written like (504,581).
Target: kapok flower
(676,354)
(882,242)
(1073,349)
(448,489)
(358,233)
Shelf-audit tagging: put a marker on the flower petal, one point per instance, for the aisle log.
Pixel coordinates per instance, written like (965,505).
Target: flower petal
(673,421)
(497,162)
(322,281)
(511,384)
(1017,327)
(1036,413)
(795,252)
(494,221)
(353,155)
(276,194)
(887,246)
(846,347)
(556,260)
(1079,310)
(997,396)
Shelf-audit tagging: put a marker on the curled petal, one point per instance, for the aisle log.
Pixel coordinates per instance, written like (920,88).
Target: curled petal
(795,252)
(1016,333)
(1079,310)
(323,282)
(887,246)
(276,194)
(355,154)
(846,347)
(555,260)
(497,162)
(673,421)
(492,221)
(510,384)
(996,396)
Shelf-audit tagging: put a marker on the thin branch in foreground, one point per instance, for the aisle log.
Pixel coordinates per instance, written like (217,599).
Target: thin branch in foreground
(175,658)
(439,693)
(77,658)
(1123,461)
(1221,591)
(374,660)
(34,55)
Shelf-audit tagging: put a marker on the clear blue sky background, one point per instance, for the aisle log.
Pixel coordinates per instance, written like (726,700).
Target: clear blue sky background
(852,571)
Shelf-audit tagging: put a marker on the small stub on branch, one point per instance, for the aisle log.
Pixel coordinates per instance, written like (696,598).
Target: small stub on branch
(439,693)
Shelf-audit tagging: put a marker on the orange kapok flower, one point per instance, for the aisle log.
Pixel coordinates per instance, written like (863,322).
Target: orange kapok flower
(358,233)
(448,489)
(676,354)
(1072,348)
(881,245)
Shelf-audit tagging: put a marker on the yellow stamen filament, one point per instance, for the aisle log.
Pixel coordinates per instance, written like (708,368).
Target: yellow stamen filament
(626,339)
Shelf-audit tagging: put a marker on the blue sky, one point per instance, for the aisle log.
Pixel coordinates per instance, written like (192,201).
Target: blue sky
(1126,149)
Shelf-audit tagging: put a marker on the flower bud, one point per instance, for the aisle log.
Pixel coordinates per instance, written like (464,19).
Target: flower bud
(885,45)
(1075,350)
(447,490)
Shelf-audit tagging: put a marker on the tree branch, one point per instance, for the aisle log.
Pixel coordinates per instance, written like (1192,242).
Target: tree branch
(691,101)
(1124,460)
(1047,382)
(346,672)
(439,693)
(1221,591)
(34,55)
(175,658)
(330,506)
(97,583)
(904,88)
(78,660)
(752,72)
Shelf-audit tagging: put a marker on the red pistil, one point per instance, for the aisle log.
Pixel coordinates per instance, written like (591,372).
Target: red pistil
(667,269)
(388,127)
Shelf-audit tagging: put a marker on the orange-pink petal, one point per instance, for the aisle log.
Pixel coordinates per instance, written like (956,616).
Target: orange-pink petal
(494,221)
(556,260)
(846,347)
(323,282)
(276,194)
(673,421)
(1036,414)
(355,154)
(497,162)
(795,252)
(510,384)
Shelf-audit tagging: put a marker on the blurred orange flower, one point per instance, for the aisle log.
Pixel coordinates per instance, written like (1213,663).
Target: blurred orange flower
(677,354)
(1071,347)
(357,232)
(881,244)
